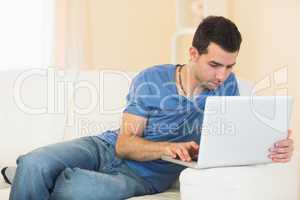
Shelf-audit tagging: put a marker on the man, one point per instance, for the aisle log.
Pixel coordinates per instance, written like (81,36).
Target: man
(163,116)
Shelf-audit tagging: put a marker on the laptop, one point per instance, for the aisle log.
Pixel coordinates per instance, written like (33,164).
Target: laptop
(239,130)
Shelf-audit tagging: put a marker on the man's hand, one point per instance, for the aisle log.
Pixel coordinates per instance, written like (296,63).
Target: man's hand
(184,150)
(282,151)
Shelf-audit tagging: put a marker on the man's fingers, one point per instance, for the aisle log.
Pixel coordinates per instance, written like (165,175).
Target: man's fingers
(192,149)
(281,160)
(194,145)
(284,143)
(183,150)
(281,156)
(186,154)
(281,150)
(180,154)
(173,153)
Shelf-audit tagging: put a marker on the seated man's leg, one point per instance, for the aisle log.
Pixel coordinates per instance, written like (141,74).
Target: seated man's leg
(78,184)
(37,171)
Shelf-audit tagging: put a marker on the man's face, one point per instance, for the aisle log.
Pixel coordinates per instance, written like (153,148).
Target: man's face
(214,67)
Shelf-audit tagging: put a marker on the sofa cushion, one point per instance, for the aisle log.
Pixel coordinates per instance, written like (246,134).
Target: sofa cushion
(259,182)
(172,194)
(4,193)
(29,114)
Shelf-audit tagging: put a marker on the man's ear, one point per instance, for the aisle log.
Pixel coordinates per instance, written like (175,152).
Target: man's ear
(194,54)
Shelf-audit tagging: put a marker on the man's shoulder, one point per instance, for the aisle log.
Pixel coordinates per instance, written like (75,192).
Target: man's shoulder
(154,72)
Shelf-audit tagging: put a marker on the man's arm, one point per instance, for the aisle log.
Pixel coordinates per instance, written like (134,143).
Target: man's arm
(131,145)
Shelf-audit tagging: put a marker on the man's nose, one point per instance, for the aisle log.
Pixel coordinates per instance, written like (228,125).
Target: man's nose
(221,74)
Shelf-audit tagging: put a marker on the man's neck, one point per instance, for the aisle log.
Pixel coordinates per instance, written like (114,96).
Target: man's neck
(189,82)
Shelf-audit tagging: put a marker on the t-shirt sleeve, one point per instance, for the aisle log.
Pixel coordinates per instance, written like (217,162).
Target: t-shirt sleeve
(136,99)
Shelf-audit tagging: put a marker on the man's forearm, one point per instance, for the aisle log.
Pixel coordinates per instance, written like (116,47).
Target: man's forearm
(140,149)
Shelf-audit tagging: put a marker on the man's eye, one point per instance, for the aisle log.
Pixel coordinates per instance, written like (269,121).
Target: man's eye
(213,65)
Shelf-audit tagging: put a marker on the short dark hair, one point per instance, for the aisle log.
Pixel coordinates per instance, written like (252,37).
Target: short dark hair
(219,30)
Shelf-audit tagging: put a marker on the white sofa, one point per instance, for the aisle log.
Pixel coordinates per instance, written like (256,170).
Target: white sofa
(71,104)
(41,107)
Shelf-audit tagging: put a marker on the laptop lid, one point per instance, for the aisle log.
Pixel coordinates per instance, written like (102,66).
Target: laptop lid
(239,130)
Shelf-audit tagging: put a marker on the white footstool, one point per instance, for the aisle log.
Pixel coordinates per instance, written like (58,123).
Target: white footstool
(261,182)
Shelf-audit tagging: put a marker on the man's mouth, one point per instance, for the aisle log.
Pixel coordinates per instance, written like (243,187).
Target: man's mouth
(214,84)
(211,85)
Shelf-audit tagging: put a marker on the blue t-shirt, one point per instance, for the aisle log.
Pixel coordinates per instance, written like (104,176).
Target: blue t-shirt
(170,117)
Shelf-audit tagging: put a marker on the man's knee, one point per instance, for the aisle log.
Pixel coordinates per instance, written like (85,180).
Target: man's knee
(34,161)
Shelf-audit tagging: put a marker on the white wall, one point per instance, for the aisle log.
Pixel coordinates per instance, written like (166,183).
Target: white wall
(26,33)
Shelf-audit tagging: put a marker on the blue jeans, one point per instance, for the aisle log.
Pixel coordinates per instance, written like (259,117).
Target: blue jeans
(81,169)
